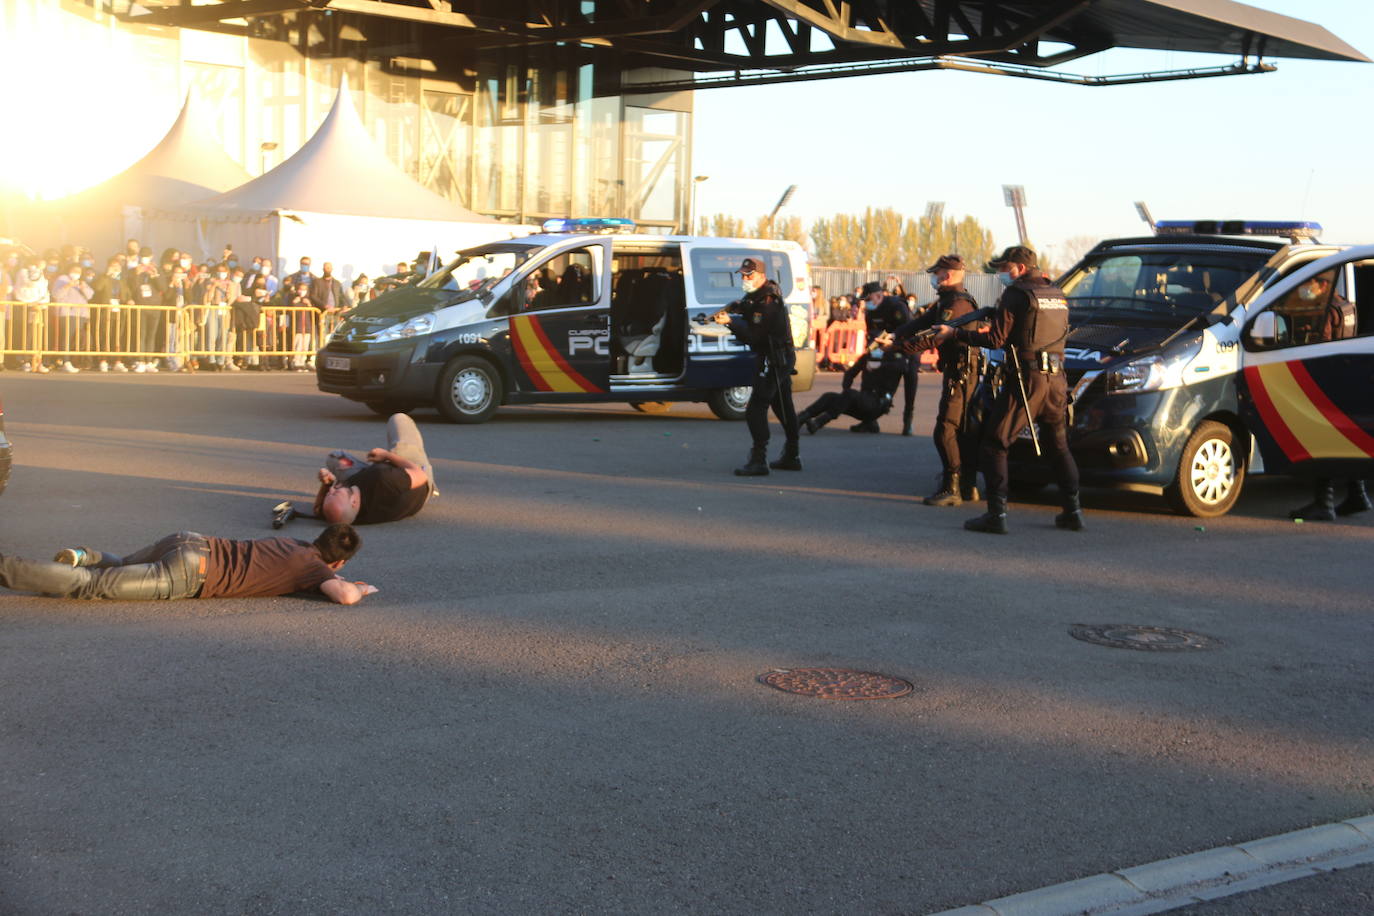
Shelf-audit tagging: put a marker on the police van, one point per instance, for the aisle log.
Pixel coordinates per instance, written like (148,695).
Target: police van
(584,311)
(1213,350)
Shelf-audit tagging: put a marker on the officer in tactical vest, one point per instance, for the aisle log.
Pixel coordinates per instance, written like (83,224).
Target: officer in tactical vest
(760,321)
(959,367)
(882,370)
(1030,324)
(884,314)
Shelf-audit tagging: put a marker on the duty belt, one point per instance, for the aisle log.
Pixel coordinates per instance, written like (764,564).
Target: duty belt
(1044,361)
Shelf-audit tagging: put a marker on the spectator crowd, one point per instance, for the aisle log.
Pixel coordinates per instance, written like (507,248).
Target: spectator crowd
(64,311)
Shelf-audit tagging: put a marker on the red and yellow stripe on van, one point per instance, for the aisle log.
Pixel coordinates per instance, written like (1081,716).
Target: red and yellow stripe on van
(1302,420)
(541,360)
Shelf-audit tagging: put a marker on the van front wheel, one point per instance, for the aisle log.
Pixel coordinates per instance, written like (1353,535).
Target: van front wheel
(729,403)
(469,390)
(1210,473)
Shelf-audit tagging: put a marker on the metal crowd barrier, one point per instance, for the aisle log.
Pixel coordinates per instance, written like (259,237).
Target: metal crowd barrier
(285,336)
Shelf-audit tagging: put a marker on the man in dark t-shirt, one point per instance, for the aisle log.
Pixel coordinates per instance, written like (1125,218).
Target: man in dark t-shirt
(191,565)
(392,483)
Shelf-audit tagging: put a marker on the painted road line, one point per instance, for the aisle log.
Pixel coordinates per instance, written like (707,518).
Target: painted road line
(1195,878)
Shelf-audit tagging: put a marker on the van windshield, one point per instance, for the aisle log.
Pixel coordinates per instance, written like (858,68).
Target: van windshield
(478,269)
(1182,283)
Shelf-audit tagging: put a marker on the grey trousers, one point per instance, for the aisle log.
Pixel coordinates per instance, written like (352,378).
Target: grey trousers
(403,438)
(174,567)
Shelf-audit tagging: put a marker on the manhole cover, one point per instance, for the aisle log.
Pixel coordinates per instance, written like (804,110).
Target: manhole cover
(836,683)
(1147,639)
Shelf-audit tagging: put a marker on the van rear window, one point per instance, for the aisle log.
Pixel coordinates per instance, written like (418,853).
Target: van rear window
(715,272)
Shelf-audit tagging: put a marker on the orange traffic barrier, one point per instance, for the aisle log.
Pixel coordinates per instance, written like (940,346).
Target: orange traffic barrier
(844,342)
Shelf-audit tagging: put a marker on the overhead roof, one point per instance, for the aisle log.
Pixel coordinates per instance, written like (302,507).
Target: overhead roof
(339,170)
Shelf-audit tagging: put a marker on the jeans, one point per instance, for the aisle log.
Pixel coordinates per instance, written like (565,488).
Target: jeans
(174,567)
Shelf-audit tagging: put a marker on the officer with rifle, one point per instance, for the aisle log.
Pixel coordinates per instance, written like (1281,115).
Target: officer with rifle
(760,322)
(1030,324)
(959,367)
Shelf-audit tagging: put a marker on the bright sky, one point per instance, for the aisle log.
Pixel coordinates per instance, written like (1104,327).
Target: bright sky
(1294,144)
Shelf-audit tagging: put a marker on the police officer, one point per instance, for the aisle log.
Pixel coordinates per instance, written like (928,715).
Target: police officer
(959,368)
(882,369)
(884,314)
(760,321)
(1030,323)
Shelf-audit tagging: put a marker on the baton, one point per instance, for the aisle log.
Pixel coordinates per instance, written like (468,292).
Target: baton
(1025,402)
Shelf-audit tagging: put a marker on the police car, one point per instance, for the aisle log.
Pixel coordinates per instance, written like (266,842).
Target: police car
(584,311)
(1213,350)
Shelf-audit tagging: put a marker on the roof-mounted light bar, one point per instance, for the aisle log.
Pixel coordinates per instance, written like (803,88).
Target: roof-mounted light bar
(608,225)
(1287,229)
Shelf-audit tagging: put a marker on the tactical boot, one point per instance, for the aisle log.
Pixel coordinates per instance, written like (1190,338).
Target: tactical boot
(993,521)
(906,424)
(1071,519)
(756,466)
(867,426)
(948,494)
(789,460)
(1356,499)
(1322,507)
(968,487)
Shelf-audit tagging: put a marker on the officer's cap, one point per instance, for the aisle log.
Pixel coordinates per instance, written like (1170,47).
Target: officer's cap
(1016,254)
(749,265)
(947,262)
(870,288)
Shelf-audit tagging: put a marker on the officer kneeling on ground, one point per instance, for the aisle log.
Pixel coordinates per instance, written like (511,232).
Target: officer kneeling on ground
(1030,324)
(883,370)
(760,321)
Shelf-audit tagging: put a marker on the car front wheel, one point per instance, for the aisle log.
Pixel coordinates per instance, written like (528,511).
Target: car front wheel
(1210,473)
(469,390)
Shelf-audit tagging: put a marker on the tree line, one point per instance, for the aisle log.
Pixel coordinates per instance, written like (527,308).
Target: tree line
(879,238)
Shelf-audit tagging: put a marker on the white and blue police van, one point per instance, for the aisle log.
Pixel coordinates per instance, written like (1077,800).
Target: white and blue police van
(1213,350)
(585,311)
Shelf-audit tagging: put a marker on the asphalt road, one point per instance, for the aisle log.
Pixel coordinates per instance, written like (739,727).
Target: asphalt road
(552,707)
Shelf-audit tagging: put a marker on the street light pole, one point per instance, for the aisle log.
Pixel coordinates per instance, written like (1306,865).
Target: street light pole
(1015,196)
(692,219)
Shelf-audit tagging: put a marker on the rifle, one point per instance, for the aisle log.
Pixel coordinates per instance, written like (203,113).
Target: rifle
(917,342)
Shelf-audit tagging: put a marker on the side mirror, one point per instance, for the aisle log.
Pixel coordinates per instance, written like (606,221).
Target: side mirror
(1266,330)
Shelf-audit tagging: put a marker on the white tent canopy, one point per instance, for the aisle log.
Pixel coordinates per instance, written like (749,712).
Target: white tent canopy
(338,198)
(186,165)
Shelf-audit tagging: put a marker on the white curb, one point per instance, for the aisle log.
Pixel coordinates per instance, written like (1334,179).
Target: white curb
(1200,876)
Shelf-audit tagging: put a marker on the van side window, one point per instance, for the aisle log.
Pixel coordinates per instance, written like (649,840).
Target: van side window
(572,278)
(1313,312)
(715,272)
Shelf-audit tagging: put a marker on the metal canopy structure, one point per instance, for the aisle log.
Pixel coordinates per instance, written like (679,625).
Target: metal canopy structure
(747,41)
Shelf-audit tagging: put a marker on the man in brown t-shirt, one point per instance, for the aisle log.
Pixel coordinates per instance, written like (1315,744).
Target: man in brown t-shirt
(191,565)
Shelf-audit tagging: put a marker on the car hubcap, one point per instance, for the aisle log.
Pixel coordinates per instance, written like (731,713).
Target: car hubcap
(738,398)
(1214,472)
(471,390)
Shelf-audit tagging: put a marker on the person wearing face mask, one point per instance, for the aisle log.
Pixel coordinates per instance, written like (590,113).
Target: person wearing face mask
(883,369)
(1030,322)
(884,314)
(221,292)
(959,368)
(176,298)
(760,321)
(144,285)
(302,276)
(31,290)
(108,288)
(71,316)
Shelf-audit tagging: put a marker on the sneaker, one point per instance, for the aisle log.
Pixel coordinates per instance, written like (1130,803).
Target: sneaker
(69,368)
(42,369)
(104,366)
(71,556)
(232,367)
(119,367)
(28,368)
(140,368)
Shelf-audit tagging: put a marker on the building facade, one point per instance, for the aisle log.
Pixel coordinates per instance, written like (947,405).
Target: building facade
(521,133)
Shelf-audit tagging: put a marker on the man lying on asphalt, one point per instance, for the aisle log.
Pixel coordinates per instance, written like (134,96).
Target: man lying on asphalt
(191,565)
(391,484)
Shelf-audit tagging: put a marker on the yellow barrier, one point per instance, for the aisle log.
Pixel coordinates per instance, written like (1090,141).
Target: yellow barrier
(284,337)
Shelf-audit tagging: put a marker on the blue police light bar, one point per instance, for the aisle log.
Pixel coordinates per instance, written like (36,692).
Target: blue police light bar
(1288,229)
(589,225)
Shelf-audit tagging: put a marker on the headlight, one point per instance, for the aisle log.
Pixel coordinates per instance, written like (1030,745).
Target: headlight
(1153,373)
(420,324)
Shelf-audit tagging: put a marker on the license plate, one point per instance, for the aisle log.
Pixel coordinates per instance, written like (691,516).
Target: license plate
(335,362)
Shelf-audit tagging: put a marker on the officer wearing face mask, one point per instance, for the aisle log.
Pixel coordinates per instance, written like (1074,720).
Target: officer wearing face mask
(959,368)
(760,321)
(1030,322)
(882,369)
(884,314)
